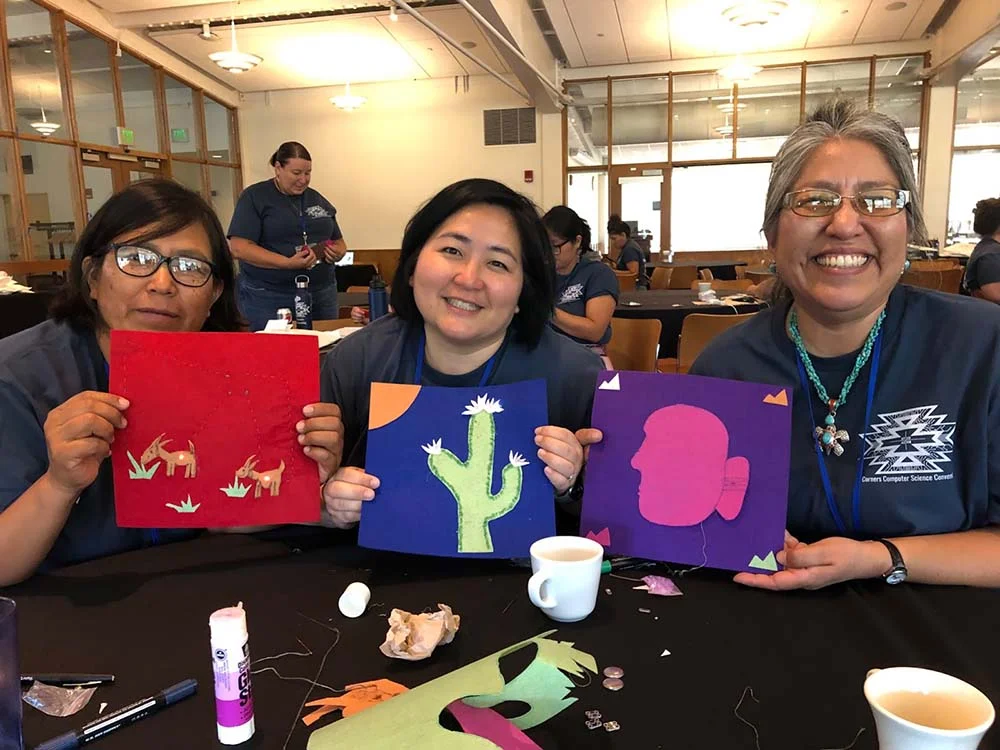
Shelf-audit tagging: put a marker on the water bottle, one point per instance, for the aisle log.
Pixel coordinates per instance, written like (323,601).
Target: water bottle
(378,301)
(303,303)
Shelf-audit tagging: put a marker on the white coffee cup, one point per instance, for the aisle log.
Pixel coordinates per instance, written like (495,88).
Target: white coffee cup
(567,574)
(919,709)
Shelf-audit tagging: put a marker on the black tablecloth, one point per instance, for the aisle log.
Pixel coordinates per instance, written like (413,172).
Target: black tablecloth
(671,307)
(21,310)
(359,274)
(721,269)
(144,617)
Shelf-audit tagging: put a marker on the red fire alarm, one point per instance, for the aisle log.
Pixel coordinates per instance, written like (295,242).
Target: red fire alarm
(529,175)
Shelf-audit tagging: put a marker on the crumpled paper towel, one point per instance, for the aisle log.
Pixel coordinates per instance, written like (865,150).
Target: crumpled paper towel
(414,637)
(9,286)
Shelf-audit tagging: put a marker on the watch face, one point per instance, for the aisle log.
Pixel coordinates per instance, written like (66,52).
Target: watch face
(896,575)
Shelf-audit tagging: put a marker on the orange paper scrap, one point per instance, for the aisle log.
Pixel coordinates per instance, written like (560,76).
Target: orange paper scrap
(414,637)
(358,697)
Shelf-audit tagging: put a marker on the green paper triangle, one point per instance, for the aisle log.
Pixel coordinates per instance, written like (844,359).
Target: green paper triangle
(768,563)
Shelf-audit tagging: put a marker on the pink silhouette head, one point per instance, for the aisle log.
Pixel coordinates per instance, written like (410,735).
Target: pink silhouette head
(685,469)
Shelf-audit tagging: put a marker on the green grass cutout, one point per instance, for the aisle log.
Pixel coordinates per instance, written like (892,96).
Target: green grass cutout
(138,470)
(235,489)
(185,507)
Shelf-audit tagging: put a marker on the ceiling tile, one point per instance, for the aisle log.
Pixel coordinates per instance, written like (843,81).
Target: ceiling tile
(598,30)
(882,25)
(565,32)
(832,26)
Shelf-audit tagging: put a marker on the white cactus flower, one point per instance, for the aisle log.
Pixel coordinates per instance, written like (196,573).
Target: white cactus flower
(516,459)
(483,403)
(432,448)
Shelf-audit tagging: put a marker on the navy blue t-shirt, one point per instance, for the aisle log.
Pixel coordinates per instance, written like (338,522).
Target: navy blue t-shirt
(41,368)
(932,449)
(276,222)
(984,265)
(632,252)
(587,280)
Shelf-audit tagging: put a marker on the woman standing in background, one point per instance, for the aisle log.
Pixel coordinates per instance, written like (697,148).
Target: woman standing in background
(281,229)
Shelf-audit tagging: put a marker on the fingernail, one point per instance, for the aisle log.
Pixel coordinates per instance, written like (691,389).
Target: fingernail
(124,423)
(369,495)
(123,403)
(300,426)
(302,439)
(308,410)
(306,450)
(539,452)
(538,439)
(375,482)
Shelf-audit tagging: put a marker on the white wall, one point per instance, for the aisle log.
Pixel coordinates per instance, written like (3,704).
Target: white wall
(377,165)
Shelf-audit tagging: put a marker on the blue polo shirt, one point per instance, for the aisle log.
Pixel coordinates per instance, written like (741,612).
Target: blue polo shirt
(41,368)
(587,280)
(632,252)
(932,447)
(983,266)
(276,222)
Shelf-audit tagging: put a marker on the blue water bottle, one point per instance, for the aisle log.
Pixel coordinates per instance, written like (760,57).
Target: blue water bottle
(303,303)
(378,301)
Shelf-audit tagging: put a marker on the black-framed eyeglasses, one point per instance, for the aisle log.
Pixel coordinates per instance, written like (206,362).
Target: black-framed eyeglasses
(558,246)
(878,202)
(141,262)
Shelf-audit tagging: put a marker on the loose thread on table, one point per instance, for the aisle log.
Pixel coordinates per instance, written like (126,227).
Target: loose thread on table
(586,674)
(308,652)
(853,743)
(625,578)
(313,682)
(704,554)
(736,713)
(321,624)
(509,604)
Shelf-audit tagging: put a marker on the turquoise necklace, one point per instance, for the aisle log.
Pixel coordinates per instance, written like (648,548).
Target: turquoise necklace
(827,434)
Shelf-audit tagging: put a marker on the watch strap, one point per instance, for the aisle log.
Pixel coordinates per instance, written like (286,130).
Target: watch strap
(898,565)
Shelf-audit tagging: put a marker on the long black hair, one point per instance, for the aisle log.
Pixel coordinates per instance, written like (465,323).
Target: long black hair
(566,223)
(164,207)
(538,288)
(287,151)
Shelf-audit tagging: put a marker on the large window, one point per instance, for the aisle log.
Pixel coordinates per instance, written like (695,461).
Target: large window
(218,131)
(587,125)
(639,120)
(93,87)
(977,111)
(223,191)
(767,111)
(139,97)
(49,171)
(587,194)
(899,93)
(699,220)
(34,71)
(703,128)
(10,213)
(181,118)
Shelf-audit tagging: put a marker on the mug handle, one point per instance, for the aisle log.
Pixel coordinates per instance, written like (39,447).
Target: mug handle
(871,672)
(535,584)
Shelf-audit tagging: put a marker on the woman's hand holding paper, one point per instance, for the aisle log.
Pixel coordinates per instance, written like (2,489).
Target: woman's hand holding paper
(561,452)
(78,435)
(344,493)
(321,435)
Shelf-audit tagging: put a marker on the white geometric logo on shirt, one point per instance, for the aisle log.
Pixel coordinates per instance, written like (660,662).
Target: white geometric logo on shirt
(571,293)
(912,441)
(317,212)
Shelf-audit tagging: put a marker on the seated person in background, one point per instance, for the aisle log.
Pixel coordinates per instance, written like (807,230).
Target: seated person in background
(630,257)
(895,394)
(982,274)
(586,291)
(473,296)
(153,258)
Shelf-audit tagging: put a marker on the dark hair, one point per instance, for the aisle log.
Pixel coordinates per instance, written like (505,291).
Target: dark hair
(289,150)
(538,264)
(165,207)
(987,217)
(617,226)
(564,222)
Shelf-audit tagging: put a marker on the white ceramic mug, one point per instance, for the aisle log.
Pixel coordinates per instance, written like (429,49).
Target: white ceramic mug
(566,575)
(919,709)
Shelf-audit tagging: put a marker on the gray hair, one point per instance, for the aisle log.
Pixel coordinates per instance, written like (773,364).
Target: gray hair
(843,118)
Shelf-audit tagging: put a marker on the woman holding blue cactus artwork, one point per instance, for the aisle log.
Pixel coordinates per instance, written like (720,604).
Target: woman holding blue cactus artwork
(473,295)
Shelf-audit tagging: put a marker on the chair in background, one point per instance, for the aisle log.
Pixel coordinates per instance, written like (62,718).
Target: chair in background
(682,276)
(948,280)
(933,265)
(705,274)
(333,325)
(726,285)
(633,343)
(344,311)
(696,333)
(352,289)
(757,276)
(660,278)
(626,281)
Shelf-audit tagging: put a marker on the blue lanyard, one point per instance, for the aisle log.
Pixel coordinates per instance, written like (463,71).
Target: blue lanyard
(302,219)
(824,475)
(418,370)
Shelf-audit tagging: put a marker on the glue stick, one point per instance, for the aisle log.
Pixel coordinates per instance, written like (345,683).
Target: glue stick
(231,664)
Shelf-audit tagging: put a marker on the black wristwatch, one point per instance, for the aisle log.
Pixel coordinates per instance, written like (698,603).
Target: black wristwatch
(897,573)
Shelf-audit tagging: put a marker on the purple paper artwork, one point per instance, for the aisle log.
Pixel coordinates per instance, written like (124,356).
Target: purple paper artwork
(691,470)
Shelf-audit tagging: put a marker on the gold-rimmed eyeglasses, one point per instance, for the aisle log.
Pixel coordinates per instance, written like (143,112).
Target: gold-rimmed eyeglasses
(813,202)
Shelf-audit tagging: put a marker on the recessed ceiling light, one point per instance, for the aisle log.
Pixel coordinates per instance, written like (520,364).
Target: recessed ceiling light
(844,12)
(47,51)
(600,34)
(899,5)
(206,33)
(469,45)
(754,12)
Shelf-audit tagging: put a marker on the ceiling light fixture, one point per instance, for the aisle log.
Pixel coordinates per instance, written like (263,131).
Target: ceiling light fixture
(206,32)
(754,12)
(739,71)
(347,101)
(232,59)
(393,16)
(44,127)
(727,107)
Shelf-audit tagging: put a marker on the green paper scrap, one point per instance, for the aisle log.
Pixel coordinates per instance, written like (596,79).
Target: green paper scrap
(411,720)
(768,563)
(139,471)
(543,686)
(469,481)
(235,489)
(184,507)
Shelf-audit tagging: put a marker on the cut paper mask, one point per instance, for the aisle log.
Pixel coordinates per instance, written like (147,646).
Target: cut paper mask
(201,404)
(411,720)
(691,470)
(488,724)
(358,697)
(460,465)
(414,637)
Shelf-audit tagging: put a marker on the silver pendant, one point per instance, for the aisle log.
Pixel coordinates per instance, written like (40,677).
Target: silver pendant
(830,439)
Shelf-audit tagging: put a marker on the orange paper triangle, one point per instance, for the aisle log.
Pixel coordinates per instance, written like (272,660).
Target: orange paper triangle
(779,399)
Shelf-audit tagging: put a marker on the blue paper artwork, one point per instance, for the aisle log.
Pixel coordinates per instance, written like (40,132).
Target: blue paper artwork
(458,469)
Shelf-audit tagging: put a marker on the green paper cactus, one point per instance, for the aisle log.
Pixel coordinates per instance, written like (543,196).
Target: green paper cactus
(470,481)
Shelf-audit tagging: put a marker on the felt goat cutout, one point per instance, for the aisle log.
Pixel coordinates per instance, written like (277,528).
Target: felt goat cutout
(269,480)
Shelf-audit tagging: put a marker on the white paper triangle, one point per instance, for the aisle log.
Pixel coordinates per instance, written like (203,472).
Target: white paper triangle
(611,385)
(665,653)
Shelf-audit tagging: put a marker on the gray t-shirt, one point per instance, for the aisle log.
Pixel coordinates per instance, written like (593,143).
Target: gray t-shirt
(984,265)
(41,368)
(586,281)
(385,352)
(932,447)
(276,221)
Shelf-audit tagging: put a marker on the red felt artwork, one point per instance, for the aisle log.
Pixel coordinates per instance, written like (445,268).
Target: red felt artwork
(211,439)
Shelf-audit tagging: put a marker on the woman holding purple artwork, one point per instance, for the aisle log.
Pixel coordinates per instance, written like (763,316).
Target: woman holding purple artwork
(896,400)
(472,298)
